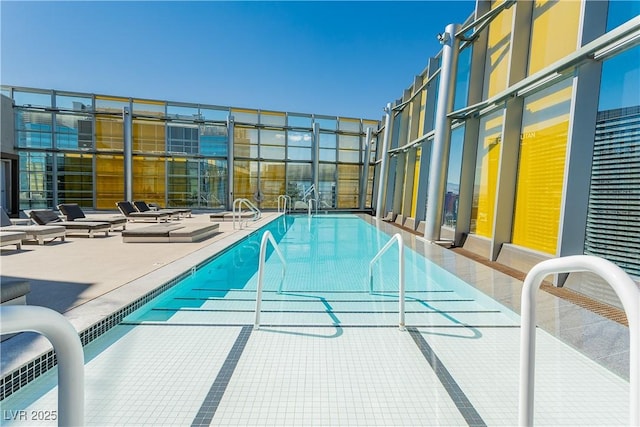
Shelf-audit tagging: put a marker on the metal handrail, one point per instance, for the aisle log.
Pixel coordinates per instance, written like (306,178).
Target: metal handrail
(311,202)
(286,202)
(266,237)
(401,291)
(68,348)
(237,208)
(308,191)
(628,293)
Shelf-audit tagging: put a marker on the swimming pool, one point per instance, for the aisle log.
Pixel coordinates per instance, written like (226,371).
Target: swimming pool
(326,283)
(329,351)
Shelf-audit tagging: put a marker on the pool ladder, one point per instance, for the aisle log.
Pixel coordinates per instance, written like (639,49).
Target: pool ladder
(628,293)
(396,238)
(267,237)
(237,210)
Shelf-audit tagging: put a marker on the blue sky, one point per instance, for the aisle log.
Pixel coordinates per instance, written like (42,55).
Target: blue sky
(334,58)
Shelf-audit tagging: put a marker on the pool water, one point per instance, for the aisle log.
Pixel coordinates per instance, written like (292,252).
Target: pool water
(326,283)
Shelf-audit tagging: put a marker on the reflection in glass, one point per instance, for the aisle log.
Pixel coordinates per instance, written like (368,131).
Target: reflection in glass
(450,217)
(613,213)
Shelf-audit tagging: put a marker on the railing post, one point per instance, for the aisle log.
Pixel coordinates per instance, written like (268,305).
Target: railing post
(396,238)
(66,344)
(266,238)
(629,295)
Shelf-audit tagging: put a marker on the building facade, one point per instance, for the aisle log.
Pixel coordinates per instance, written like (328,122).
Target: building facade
(520,140)
(96,150)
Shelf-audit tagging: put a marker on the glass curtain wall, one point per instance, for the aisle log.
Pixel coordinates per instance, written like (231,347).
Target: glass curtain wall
(71,149)
(613,217)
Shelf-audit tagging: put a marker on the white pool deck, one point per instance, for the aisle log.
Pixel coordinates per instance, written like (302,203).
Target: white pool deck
(226,373)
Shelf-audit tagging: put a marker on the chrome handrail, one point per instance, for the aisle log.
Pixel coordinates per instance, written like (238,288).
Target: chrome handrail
(67,347)
(266,238)
(308,191)
(237,208)
(629,295)
(286,199)
(311,202)
(401,291)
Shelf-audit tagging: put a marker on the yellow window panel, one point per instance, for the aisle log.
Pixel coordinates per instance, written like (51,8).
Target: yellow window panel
(541,167)
(554,31)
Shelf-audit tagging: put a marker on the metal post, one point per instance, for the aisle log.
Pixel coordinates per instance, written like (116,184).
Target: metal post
(316,158)
(128,153)
(382,182)
(230,167)
(66,344)
(365,168)
(442,137)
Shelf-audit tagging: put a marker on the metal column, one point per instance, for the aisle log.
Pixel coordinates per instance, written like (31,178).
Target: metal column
(128,153)
(365,168)
(230,168)
(315,159)
(442,137)
(382,182)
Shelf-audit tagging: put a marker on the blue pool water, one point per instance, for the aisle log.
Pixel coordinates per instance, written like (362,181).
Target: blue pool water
(326,283)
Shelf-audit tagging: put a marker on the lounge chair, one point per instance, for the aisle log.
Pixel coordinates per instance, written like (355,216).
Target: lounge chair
(132,214)
(141,206)
(33,232)
(181,211)
(73,212)
(48,217)
(12,238)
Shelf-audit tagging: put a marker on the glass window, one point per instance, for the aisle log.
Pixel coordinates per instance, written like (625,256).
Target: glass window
(111,105)
(269,118)
(620,12)
(149,179)
(245,142)
(349,125)
(298,180)
(348,186)
(75,179)
(183,182)
(463,76)
(245,177)
(31,99)
(183,139)
(554,32)
(213,140)
(75,103)
(541,165)
(214,114)
(298,121)
(613,212)
(450,217)
(148,136)
(74,132)
(327,123)
(213,183)
(36,180)
(272,183)
(182,113)
(244,116)
(498,52)
(109,133)
(349,151)
(299,145)
(486,177)
(327,185)
(34,129)
(149,108)
(109,180)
